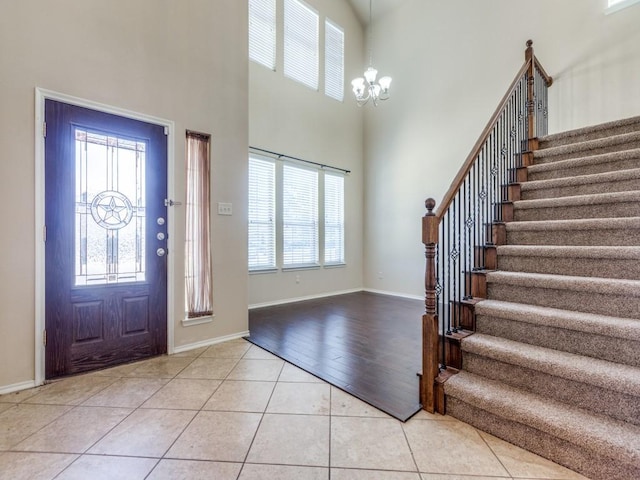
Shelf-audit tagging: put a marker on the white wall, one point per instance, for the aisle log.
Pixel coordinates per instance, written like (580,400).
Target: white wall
(288,117)
(451,62)
(182,60)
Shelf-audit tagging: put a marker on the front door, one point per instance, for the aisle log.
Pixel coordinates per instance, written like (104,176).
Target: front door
(105,269)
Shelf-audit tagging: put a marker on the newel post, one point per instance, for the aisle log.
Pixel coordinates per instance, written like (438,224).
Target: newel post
(531,104)
(430,223)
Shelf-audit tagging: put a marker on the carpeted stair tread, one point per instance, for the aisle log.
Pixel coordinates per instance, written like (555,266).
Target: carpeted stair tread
(576,251)
(577,224)
(618,327)
(592,261)
(576,149)
(584,231)
(600,336)
(593,131)
(577,368)
(580,200)
(581,180)
(603,205)
(594,432)
(603,296)
(591,164)
(614,286)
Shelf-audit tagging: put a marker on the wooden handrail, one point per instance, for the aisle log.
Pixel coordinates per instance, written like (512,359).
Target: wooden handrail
(475,151)
(522,134)
(547,79)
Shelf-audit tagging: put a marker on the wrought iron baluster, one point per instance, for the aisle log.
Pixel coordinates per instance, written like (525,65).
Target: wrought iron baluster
(440,295)
(471,249)
(454,258)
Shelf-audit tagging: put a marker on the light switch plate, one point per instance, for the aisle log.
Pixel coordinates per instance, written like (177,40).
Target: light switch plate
(225,208)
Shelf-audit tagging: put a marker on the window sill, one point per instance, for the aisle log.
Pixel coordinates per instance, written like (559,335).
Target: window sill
(619,6)
(190,322)
(291,268)
(259,271)
(335,265)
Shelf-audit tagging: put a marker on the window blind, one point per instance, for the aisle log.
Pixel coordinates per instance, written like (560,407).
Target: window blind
(333,219)
(262,211)
(333,60)
(617,5)
(301,43)
(262,32)
(299,216)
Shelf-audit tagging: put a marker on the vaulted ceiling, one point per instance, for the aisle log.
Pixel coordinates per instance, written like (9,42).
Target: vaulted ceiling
(378,8)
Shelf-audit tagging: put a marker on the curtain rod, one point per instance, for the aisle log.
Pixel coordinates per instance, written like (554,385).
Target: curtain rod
(282,155)
(193,133)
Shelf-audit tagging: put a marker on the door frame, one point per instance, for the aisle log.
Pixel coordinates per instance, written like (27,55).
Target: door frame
(41,95)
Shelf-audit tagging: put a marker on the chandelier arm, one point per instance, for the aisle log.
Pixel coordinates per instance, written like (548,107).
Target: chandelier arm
(368,87)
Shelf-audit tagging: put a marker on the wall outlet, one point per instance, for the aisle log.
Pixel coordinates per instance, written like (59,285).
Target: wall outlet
(225,208)
(380,276)
(297,278)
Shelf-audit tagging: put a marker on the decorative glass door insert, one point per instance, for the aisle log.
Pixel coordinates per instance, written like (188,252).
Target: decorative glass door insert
(110,209)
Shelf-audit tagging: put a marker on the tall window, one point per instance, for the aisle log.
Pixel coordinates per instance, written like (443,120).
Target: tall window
(262,32)
(307,200)
(198,271)
(301,43)
(262,214)
(617,5)
(299,216)
(333,60)
(333,219)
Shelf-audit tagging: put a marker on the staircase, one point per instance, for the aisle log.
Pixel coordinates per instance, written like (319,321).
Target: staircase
(554,365)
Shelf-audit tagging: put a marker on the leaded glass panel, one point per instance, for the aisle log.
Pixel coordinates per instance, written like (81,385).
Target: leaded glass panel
(110,209)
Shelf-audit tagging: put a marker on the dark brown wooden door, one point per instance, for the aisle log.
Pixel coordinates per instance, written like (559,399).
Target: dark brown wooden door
(105,269)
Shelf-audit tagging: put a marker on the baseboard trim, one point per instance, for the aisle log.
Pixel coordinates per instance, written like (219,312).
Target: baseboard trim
(209,342)
(393,294)
(16,387)
(301,299)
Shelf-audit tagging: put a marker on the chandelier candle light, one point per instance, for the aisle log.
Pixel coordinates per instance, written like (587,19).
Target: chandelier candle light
(366,88)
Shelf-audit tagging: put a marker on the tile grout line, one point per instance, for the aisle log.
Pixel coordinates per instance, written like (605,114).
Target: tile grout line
(255,434)
(493,452)
(406,439)
(117,379)
(200,410)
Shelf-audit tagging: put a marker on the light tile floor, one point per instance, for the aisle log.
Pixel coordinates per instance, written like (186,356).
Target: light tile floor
(235,412)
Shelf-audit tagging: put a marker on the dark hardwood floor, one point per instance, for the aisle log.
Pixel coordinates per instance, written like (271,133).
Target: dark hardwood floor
(364,343)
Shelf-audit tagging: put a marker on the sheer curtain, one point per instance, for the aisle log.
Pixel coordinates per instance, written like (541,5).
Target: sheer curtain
(198,274)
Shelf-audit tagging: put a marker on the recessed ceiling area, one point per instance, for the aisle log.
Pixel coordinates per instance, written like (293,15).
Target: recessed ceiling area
(379,7)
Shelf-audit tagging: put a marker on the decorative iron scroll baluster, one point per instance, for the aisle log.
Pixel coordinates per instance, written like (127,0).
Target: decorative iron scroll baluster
(457,234)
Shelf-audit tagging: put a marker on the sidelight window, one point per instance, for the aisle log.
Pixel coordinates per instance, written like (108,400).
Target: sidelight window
(198,270)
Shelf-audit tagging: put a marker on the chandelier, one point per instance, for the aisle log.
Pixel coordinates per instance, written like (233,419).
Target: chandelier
(365,88)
